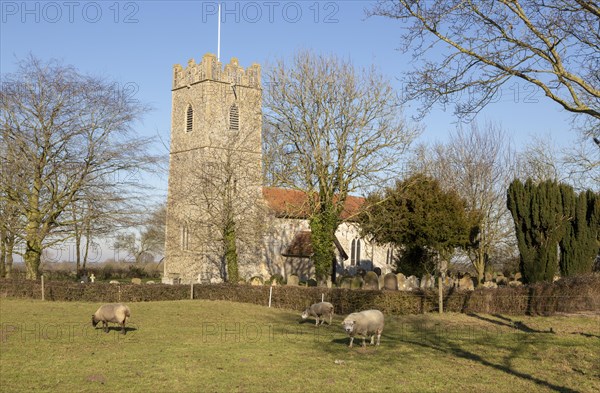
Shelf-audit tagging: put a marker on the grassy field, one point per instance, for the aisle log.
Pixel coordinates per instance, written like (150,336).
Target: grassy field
(212,346)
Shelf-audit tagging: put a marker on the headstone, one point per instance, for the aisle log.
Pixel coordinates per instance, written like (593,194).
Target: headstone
(489,284)
(515,283)
(401,280)
(293,280)
(427,282)
(501,280)
(256,280)
(345,282)
(518,276)
(150,282)
(136,281)
(381,282)
(390,282)
(448,282)
(113,282)
(412,282)
(489,276)
(466,283)
(92,277)
(357,282)
(371,281)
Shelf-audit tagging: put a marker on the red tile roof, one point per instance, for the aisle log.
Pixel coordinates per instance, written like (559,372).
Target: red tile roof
(301,246)
(294,204)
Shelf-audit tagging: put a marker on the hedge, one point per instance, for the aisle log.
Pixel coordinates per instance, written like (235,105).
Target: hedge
(566,296)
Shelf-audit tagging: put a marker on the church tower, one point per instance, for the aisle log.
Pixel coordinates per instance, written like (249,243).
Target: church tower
(215,174)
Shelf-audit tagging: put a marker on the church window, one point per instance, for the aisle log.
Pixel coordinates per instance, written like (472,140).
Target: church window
(234,118)
(355,252)
(189,119)
(184,237)
(390,256)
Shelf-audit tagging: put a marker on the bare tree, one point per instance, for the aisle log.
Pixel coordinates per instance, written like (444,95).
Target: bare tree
(335,129)
(10,222)
(549,45)
(67,134)
(148,242)
(477,163)
(540,161)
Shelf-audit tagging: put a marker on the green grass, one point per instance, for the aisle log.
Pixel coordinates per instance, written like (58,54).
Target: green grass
(214,346)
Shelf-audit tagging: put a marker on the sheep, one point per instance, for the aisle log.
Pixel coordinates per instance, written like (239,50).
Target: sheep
(115,312)
(318,310)
(364,323)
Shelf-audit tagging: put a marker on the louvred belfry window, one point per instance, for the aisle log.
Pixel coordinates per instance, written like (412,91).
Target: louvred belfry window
(234,118)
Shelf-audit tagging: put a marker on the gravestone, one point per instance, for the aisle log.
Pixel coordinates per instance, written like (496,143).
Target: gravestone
(357,282)
(488,276)
(136,281)
(466,283)
(390,282)
(371,281)
(293,280)
(501,280)
(427,282)
(412,282)
(401,280)
(345,282)
(256,280)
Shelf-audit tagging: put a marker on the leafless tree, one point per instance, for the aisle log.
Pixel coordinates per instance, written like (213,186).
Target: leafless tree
(477,163)
(148,242)
(68,135)
(540,161)
(549,45)
(335,129)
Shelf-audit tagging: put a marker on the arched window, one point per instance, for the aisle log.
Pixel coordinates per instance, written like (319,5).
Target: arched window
(390,256)
(185,236)
(355,252)
(234,118)
(189,119)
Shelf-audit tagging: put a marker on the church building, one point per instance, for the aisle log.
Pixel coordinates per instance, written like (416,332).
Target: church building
(216,190)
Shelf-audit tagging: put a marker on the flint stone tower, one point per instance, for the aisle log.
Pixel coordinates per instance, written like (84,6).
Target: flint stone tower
(215,174)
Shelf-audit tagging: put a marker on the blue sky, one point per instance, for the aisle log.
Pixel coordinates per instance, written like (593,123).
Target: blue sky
(136,44)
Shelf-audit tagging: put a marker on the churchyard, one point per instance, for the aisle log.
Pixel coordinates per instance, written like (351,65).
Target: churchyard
(220,346)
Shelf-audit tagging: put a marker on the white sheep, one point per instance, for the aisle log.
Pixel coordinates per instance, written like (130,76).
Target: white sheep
(115,313)
(364,323)
(318,310)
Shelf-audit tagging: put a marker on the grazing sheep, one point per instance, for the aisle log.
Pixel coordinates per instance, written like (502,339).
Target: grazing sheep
(318,310)
(364,323)
(115,312)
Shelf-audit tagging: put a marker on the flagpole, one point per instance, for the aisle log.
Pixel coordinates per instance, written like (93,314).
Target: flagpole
(219,35)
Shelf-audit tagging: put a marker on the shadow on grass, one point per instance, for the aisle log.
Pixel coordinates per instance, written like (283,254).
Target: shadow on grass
(432,339)
(117,329)
(510,323)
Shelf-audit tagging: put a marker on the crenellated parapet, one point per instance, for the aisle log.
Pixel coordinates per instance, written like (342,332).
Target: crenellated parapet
(211,69)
